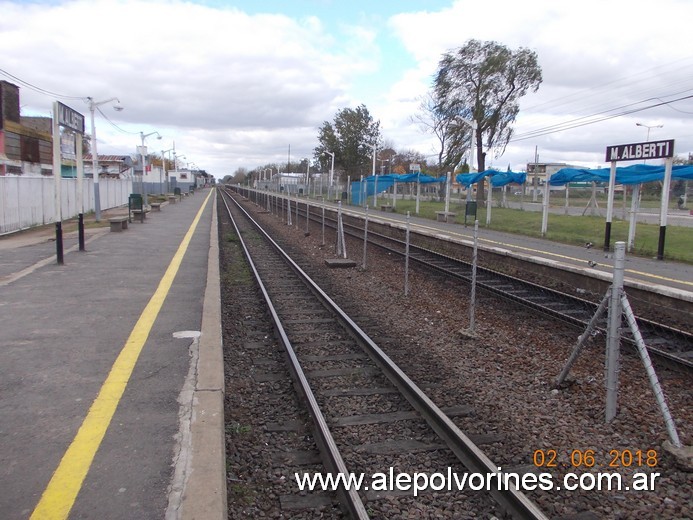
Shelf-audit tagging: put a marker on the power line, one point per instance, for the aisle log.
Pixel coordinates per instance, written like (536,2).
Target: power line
(114,125)
(551,130)
(38,89)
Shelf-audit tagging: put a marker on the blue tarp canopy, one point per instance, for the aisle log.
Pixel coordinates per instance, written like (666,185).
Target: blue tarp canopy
(385,182)
(498,178)
(635,174)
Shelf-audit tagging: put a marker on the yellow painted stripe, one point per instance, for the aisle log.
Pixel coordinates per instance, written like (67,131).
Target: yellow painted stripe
(60,495)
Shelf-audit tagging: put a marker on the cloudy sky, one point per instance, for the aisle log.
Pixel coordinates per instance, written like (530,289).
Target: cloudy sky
(238,83)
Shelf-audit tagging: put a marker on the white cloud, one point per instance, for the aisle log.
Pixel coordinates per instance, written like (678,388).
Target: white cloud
(595,56)
(206,77)
(234,89)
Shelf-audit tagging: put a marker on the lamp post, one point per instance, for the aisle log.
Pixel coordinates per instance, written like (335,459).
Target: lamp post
(175,160)
(193,169)
(331,167)
(143,151)
(648,130)
(473,125)
(163,166)
(94,154)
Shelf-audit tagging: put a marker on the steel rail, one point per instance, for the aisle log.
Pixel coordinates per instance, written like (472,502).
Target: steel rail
(331,456)
(511,500)
(650,327)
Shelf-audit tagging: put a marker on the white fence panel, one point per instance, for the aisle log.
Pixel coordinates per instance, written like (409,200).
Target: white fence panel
(30,201)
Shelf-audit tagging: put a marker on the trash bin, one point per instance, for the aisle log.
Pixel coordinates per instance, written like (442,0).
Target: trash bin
(135,203)
(470,210)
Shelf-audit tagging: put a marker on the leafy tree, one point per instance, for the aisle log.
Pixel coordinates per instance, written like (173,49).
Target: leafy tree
(351,138)
(403,159)
(483,82)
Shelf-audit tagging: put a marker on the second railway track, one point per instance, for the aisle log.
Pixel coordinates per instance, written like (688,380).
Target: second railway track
(670,344)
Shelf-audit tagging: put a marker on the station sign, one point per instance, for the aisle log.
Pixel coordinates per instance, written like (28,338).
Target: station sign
(70,118)
(637,151)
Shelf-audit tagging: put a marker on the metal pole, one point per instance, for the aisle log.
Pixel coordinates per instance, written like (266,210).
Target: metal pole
(583,338)
(665,207)
(535,179)
(57,177)
(406,260)
(365,237)
(447,195)
(307,217)
(80,191)
(610,207)
(634,203)
(323,221)
(489,202)
(472,296)
(341,245)
(652,376)
(545,208)
(288,210)
(613,334)
(95,165)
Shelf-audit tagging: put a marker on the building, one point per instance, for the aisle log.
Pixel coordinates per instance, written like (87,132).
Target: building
(25,143)
(112,166)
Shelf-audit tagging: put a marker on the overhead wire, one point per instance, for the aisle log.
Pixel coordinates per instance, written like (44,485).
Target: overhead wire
(114,125)
(39,89)
(602,115)
(538,133)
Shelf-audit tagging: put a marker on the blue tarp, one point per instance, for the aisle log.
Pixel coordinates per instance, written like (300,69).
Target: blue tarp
(385,182)
(498,178)
(635,174)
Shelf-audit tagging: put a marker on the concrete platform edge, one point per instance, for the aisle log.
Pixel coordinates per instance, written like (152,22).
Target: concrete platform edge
(204,496)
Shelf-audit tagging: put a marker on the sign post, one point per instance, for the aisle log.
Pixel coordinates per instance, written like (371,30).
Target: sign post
(632,152)
(70,119)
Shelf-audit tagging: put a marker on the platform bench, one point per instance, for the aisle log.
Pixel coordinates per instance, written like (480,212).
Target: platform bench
(386,207)
(156,206)
(442,216)
(118,223)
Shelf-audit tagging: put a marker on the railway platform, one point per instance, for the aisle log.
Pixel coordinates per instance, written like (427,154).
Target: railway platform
(111,375)
(663,276)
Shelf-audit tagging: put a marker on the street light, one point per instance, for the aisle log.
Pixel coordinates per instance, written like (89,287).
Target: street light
(143,136)
(331,167)
(473,125)
(163,166)
(175,160)
(94,154)
(648,129)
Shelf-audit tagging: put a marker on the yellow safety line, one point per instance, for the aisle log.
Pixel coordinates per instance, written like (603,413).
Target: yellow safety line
(60,494)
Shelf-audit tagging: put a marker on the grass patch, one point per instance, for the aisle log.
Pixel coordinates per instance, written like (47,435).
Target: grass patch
(568,229)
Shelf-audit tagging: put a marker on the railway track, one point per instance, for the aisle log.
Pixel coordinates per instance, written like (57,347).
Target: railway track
(671,345)
(368,416)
